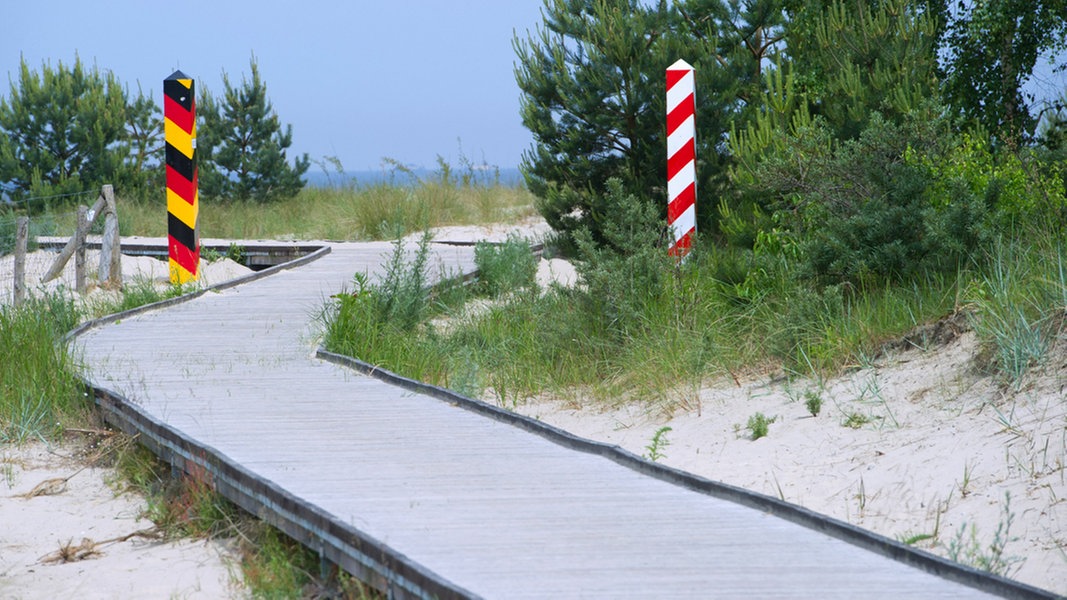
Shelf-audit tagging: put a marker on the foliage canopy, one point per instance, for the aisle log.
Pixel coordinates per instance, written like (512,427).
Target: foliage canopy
(68,129)
(242,146)
(71,128)
(592,83)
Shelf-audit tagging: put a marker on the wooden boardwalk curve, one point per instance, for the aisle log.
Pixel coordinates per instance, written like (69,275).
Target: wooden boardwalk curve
(425,498)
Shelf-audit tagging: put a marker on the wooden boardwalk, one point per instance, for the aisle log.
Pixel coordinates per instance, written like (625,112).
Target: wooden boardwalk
(427,499)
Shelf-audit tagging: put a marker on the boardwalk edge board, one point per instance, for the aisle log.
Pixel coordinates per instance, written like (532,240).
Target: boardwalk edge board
(339,543)
(868,540)
(318,253)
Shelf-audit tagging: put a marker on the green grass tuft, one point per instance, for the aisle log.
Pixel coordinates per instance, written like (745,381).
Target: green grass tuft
(39,392)
(759,425)
(1019,302)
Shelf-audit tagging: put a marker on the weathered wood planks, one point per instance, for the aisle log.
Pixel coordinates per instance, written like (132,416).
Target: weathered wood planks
(489,508)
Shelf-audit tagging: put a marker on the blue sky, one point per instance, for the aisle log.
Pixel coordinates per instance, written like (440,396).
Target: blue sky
(360,80)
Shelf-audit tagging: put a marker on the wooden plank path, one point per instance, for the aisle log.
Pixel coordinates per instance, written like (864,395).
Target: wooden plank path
(427,499)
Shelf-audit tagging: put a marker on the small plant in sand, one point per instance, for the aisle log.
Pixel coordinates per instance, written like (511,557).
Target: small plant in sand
(965,485)
(966,548)
(758,425)
(928,539)
(855,420)
(236,253)
(209,254)
(861,496)
(658,443)
(813,402)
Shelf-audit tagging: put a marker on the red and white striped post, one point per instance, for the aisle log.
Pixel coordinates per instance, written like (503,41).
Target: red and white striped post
(681,157)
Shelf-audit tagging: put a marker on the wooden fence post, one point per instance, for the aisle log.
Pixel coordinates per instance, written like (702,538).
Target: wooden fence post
(22,234)
(79,250)
(110,271)
(72,244)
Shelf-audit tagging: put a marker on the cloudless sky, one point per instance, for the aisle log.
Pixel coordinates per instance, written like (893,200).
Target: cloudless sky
(359,80)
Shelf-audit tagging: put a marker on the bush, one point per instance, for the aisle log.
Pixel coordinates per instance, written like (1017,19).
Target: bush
(380,322)
(872,209)
(625,274)
(402,298)
(505,267)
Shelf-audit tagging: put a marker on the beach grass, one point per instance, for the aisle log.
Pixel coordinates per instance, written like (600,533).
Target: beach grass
(352,213)
(40,393)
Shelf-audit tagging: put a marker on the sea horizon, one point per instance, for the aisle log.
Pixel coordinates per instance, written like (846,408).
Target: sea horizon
(485,175)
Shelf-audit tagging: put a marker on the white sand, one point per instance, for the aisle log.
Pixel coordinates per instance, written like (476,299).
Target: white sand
(533,229)
(87,512)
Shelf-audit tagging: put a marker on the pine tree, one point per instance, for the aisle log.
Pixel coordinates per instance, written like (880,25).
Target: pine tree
(836,167)
(592,82)
(60,130)
(241,146)
(142,149)
(846,62)
(851,59)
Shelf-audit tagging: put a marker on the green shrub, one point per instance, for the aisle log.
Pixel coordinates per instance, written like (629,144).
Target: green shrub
(505,267)
(628,272)
(380,322)
(871,209)
(1016,187)
(758,425)
(401,298)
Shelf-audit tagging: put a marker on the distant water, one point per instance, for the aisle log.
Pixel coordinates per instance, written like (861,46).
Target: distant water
(489,176)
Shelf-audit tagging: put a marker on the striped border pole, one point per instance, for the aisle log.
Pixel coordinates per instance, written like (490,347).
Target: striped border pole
(681,157)
(179,131)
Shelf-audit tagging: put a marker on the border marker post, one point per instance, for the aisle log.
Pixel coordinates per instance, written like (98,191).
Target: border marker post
(179,131)
(681,157)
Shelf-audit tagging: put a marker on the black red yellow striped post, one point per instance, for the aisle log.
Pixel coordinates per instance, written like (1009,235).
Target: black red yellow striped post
(179,131)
